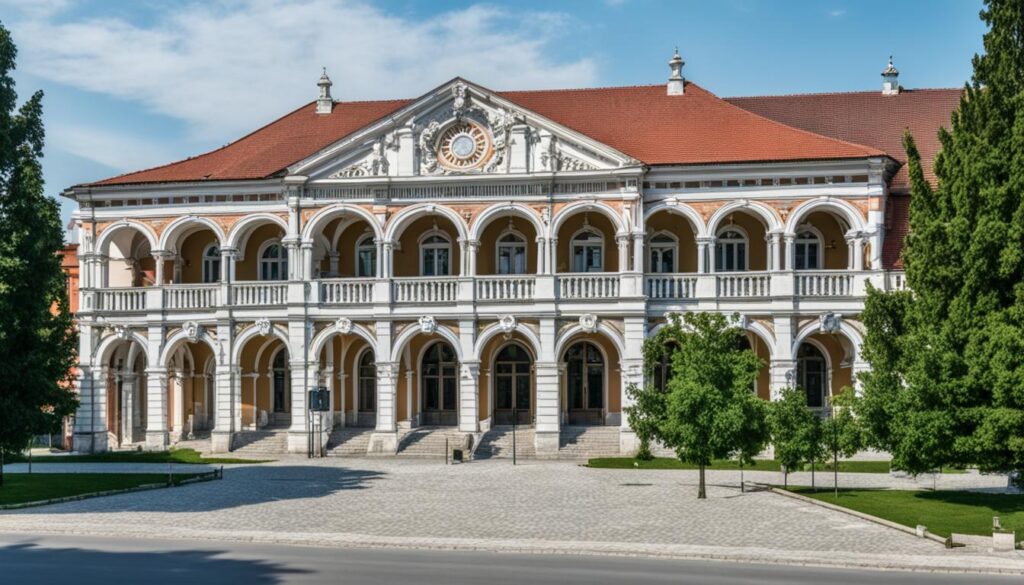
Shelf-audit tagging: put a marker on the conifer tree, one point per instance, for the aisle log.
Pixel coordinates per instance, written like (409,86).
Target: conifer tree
(37,340)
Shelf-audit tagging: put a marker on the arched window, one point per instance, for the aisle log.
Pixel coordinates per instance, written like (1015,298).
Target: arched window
(664,250)
(585,381)
(808,251)
(367,382)
(731,251)
(435,254)
(274,262)
(279,371)
(511,253)
(587,251)
(366,257)
(812,374)
(211,264)
(440,384)
(512,385)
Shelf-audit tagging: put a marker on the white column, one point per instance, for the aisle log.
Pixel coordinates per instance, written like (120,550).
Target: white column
(782,368)
(408,396)
(226,403)
(632,373)
(158,258)
(548,387)
(385,435)
(156,408)
(702,255)
(858,253)
(790,251)
(712,250)
(638,252)
(542,254)
(623,243)
(472,247)
(178,391)
(553,256)
(469,413)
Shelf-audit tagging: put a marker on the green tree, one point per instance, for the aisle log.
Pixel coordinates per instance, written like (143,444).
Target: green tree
(704,412)
(946,366)
(793,427)
(37,339)
(842,433)
(754,432)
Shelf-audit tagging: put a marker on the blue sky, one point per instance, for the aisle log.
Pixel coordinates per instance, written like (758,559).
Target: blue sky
(136,83)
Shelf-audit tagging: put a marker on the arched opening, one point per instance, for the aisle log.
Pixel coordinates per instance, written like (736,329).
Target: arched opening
(130,261)
(366,383)
(211,264)
(820,242)
(348,369)
(252,243)
(812,374)
(126,395)
(281,396)
(672,245)
(740,243)
(507,247)
(346,247)
(439,383)
(585,384)
(265,383)
(197,256)
(586,243)
(731,250)
(428,247)
(273,262)
(190,390)
(513,386)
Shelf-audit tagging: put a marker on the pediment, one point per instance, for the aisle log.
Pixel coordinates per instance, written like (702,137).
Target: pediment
(460,129)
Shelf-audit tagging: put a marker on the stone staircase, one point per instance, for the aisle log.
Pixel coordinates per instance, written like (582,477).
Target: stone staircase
(349,442)
(263,442)
(587,442)
(429,442)
(497,443)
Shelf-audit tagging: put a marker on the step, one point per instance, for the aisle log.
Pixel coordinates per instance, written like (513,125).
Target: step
(269,442)
(587,442)
(429,441)
(497,444)
(349,442)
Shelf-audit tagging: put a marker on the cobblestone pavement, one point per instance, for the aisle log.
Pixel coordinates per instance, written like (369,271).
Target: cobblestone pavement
(551,506)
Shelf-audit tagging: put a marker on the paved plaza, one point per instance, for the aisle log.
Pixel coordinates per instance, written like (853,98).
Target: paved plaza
(536,507)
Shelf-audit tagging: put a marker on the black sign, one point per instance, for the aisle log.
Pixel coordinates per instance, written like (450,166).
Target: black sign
(319,399)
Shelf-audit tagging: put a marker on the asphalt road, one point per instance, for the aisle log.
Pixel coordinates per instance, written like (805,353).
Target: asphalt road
(83,561)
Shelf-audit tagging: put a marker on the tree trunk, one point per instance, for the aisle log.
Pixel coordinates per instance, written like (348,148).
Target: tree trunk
(743,488)
(701,493)
(813,487)
(785,477)
(835,472)
(1,467)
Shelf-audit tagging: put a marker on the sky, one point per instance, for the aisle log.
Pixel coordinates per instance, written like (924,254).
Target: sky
(131,84)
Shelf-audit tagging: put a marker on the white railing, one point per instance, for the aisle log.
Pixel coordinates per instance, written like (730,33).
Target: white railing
(743,284)
(588,286)
(259,293)
(429,289)
(346,291)
(670,286)
(505,288)
(191,296)
(121,299)
(823,284)
(896,280)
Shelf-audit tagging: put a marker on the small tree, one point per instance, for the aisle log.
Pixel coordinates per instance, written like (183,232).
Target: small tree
(706,404)
(753,433)
(793,428)
(842,432)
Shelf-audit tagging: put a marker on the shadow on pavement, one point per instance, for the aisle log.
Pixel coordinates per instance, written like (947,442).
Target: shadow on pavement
(31,563)
(242,486)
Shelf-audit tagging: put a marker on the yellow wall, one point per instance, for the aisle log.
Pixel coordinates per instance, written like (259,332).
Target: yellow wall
(248,269)
(574,224)
(486,260)
(407,259)
(756,246)
(680,227)
(191,252)
(831,233)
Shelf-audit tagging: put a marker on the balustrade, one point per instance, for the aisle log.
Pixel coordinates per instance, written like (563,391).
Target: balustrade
(588,286)
(431,289)
(670,286)
(743,285)
(823,284)
(505,288)
(346,291)
(121,299)
(259,293)
(191,296)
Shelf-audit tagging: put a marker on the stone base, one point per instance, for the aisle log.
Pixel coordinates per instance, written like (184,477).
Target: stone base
(383,443)
(298,442)
(628,442)
(1004,541)
(220,442)
(91,442)
(546,444)
(157,440)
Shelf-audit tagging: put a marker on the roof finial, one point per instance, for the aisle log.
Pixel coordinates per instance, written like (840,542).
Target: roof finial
(676,83)
(890,79)
(324,102)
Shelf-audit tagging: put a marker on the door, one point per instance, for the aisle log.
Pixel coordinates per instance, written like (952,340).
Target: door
(440,385)
(512,386)
(585,379)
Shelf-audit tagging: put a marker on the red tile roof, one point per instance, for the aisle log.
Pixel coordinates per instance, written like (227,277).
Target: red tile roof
(867,118)
(642,122)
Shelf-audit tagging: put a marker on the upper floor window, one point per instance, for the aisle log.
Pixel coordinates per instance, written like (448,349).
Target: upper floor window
(511,252)
(274,262)
(808,251)
(366,257)
(435,255)
(663,252)
(731,251)
(587,251)
(211,263)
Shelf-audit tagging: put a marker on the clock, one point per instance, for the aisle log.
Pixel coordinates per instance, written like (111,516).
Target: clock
(464,146)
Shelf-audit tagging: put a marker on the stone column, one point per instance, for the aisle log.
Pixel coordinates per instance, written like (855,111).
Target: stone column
(333,267)
(178,391)
(782,367)
(702,255)
(632,373)
(469,414)
(790,251)
(385,435)
(159,258)
(298,372)
(226,404)
(542,254)
(638,252)
(712,251)
(548,398)
(623,243)
(90,433)
(553,255)
(472,247)
(156,408)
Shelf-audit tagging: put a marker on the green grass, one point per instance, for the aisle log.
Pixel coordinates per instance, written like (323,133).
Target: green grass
(184,456)
(20,488)
(732,465)
(943,512)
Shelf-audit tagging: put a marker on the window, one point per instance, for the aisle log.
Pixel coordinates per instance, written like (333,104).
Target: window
(511,254)
(512,379)
(366,257)
(587,248)
(811,374)
(439,378)
(808,251)
(367,382)
(585,384)
(731,251)
(663,250)
(274,263)
(279,369)
(435,255)
(211,264)
(663,369)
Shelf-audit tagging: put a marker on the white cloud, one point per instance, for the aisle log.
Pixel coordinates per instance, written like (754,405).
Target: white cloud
(837,13)
(115,150)
(224,67)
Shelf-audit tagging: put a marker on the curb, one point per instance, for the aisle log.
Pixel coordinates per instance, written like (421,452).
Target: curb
(946,542)
(208,476)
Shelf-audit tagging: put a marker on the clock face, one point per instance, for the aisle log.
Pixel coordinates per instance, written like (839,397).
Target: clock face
(463,147)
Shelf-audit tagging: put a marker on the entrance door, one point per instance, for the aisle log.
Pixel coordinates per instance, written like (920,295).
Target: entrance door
(282,397)
(585,381)
(512,387)
(440,385)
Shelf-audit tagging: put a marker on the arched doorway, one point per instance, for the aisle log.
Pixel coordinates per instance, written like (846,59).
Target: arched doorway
(512,386)
(812,374)
(280,389)
(439,381)
(585,384)
(366,390)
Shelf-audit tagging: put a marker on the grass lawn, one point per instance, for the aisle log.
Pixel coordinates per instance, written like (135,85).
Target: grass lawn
(943,512)
(728,465)
(186,456)
(19,488)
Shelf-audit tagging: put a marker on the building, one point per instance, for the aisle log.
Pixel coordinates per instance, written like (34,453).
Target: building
(471,257)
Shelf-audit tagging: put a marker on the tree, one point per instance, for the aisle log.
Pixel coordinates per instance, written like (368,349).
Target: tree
(37,339)
(793,427)
(842,433)
(754,432)
(947,363)
(704,411)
